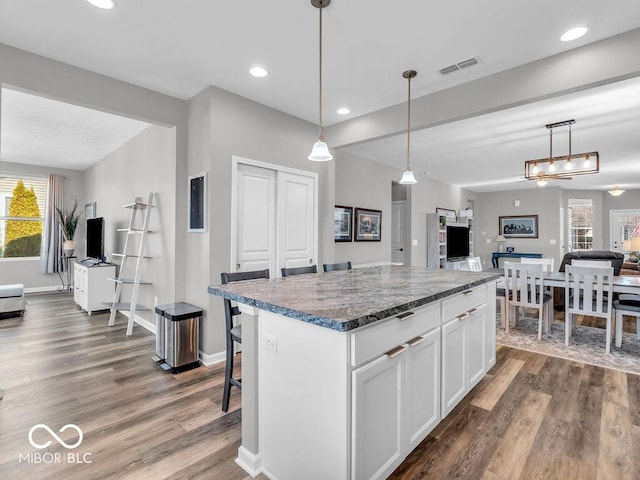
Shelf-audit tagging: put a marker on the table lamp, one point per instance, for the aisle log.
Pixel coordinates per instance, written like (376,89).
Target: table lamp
(626,245)
(635,244)
(500,239)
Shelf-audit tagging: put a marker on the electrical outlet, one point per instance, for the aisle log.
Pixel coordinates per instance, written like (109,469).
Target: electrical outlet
(270,343)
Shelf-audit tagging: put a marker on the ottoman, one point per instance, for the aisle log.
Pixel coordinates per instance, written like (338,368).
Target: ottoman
(12,299)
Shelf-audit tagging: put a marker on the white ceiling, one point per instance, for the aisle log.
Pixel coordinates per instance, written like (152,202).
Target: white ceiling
(179,47)
(487,153)
(41,131)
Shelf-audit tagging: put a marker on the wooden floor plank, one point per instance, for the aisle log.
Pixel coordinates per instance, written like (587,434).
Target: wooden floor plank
(501,380)
(616,456)
(512,453)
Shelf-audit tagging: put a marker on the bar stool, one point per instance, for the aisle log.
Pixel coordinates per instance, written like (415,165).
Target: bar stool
(234,333)
(330,267)
(626,304)
(287,272)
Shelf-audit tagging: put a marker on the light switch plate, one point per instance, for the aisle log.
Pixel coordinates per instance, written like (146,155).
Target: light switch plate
(552,241)
(414,243)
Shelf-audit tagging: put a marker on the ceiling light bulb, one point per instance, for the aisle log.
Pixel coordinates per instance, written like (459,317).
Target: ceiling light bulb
(573,34)
(103,4)
(535,169)
(320,151)
(343,111)
(258,72)
(568,165)
(587,161)
(552,166)
(542,183)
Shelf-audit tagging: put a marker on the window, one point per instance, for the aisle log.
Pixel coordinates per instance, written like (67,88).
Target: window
(580,224)
(22,202)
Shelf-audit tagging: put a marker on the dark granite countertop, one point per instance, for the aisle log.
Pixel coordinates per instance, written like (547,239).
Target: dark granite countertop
(348,299)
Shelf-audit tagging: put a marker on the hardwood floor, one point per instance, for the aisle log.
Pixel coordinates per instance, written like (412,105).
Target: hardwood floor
(532,417)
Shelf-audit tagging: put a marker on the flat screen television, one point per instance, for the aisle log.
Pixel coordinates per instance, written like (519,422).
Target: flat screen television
(95,238)
(457,241)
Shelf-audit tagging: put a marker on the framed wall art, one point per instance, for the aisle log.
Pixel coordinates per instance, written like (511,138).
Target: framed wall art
(343,224)
(368,225)
(518,226)
(447,212)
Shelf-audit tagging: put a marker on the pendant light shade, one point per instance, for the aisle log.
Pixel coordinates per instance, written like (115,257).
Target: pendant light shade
(408,178)
(320,151)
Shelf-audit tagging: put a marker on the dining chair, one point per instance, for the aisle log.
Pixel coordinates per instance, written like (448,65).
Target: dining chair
(547,262)
(588,291)
(330,267)
(591,263)
(288,272)
(475,264)
(626,304)
(234,332)
(524,287)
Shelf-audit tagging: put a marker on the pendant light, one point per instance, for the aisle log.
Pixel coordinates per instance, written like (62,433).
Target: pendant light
(408,178)
(320,151)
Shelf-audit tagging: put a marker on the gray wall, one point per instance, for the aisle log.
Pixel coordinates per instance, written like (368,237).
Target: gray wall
(228,125)
(364,184)
(545,203)
(36,74)
(26,271)
(627,201)
(144,164)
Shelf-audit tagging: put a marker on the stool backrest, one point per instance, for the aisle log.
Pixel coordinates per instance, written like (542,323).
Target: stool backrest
(330,267)
(287,272)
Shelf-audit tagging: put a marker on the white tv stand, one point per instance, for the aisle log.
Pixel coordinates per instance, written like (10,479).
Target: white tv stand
(92,287)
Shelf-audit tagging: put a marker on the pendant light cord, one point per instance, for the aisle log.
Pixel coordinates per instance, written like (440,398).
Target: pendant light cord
(409,124)
(320,73)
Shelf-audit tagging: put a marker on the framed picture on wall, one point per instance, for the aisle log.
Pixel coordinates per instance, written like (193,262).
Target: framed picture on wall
(197,219)
(368,225)
(447,212)
(342,224)
(518,226)
(90,210)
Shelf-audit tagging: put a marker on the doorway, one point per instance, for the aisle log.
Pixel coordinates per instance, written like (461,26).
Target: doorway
(622,222)
(400,224)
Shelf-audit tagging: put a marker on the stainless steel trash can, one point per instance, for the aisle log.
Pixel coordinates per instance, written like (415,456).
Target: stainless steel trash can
(181,336)
(160,333)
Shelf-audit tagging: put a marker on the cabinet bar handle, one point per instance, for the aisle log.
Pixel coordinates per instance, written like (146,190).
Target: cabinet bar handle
(472,311)
(468,292)
(415,341)
(463,316)
(405,315)
(396,351)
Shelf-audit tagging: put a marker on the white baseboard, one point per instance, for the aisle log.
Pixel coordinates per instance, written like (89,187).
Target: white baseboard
(210,359)
(51,288)
(250,463)
(146,324)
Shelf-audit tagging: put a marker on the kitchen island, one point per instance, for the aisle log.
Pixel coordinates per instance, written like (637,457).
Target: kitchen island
(345,373)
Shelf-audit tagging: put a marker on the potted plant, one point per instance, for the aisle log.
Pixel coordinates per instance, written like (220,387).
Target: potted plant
(68,222)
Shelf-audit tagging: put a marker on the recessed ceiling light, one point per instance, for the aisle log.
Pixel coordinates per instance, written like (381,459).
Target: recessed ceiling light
(343,111)
(258,72)
(573,34)
(103,4)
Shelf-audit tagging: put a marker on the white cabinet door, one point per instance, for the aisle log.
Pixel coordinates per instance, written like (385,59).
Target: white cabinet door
(296,221)
(454,364)
(377,418)
(422,387)
(476,345)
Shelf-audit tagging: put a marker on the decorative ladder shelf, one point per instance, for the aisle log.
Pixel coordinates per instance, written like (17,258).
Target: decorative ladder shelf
(133,230)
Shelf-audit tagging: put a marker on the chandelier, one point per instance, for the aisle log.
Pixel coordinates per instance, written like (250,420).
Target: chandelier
(564,166)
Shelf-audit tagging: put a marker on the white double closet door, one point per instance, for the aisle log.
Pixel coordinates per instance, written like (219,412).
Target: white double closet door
(276,219)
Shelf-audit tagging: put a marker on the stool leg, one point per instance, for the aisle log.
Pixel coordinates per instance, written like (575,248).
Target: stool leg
(618,328)
(228,374)
(608,340)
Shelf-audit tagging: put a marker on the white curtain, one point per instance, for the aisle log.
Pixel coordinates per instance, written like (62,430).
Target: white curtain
(51,248)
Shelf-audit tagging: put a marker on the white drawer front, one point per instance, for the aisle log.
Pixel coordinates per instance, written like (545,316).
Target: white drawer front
(386,334)
(463,302)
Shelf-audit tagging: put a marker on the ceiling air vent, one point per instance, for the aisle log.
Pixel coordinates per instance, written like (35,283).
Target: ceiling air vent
(459,65)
